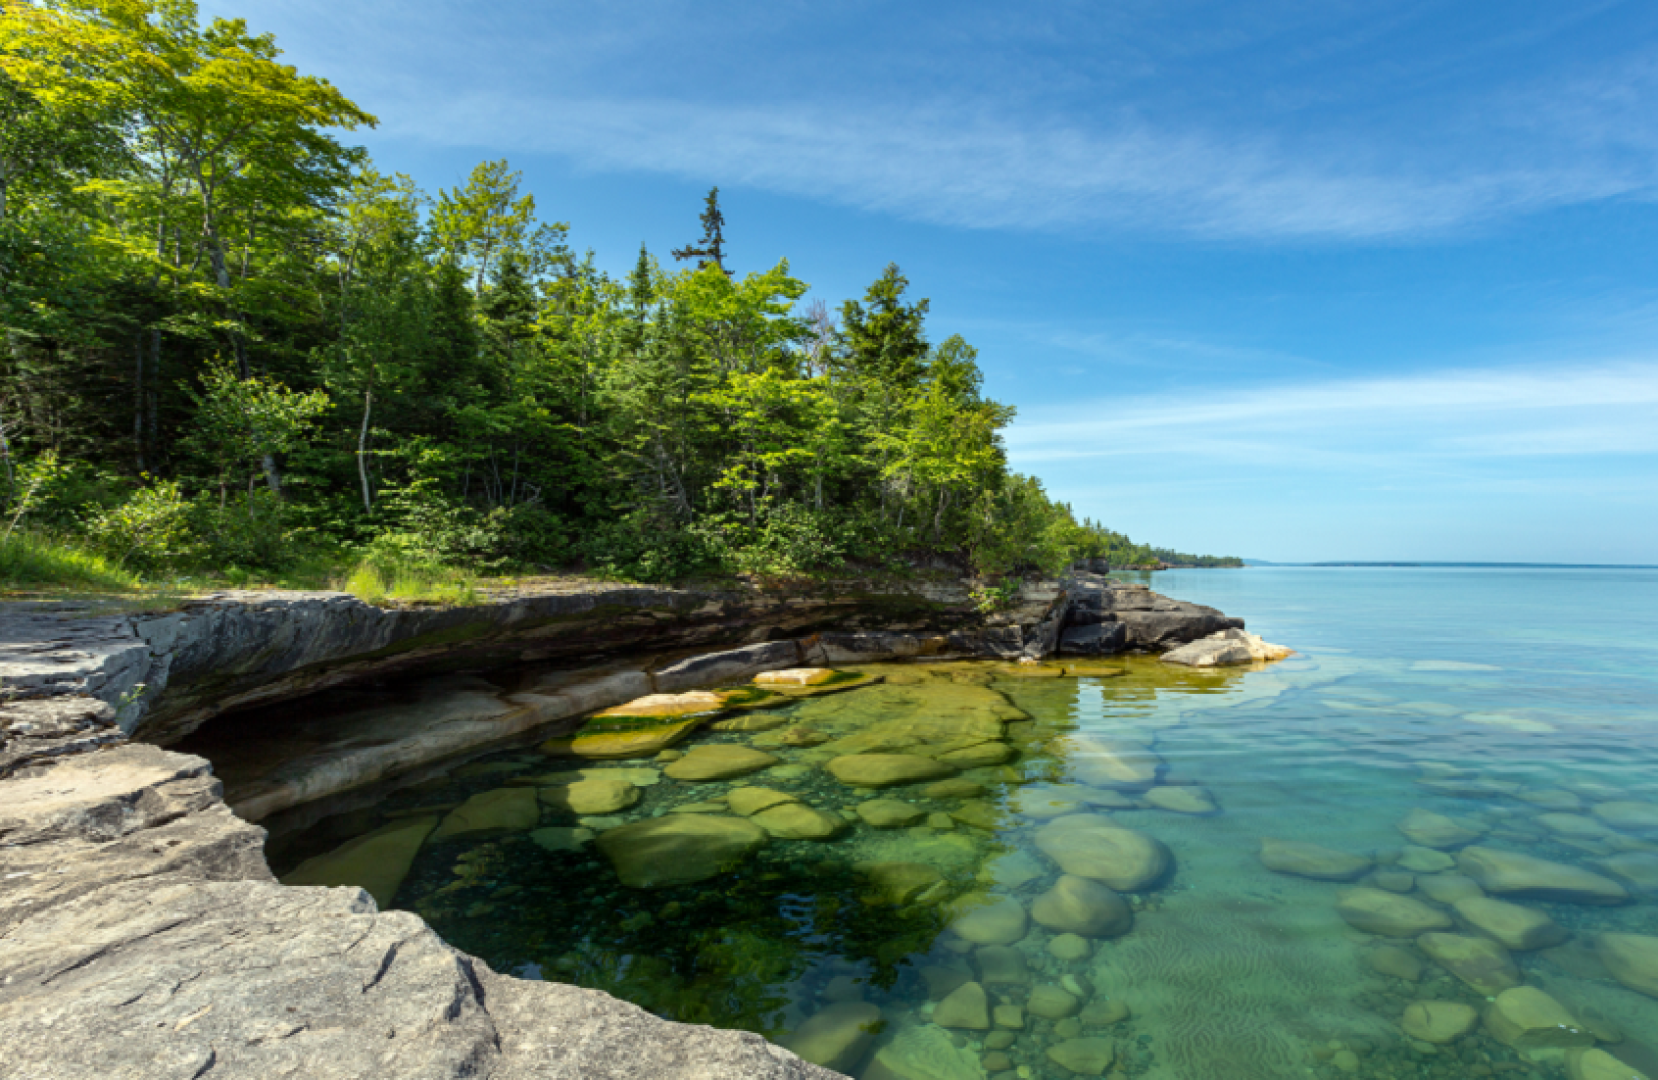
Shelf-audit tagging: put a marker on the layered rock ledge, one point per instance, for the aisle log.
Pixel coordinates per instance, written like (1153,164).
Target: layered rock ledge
(143,936)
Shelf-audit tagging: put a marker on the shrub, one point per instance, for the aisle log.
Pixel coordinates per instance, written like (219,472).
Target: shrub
(384,575)
(148,532)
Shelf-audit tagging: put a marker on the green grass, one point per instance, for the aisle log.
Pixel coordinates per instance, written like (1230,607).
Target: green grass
(32,560)
(381,580)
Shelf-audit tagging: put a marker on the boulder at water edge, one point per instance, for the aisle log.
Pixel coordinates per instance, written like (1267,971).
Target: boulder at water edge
(376,863)
(1076,905)
(838,1036)
(1312,861)
(1632,959)
(1376,911)
(1438,1022)
(492,812)
(797,821)
(1093,846)
(592,795)
(967,1006)
(678,849)
(1510,873)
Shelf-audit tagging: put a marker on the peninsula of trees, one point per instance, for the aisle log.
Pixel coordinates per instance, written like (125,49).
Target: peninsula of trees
(233,347)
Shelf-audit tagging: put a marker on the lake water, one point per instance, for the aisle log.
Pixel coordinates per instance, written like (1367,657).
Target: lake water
(1492,713)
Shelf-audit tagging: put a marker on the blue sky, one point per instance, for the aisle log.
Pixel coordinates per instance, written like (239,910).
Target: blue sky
(1317,280)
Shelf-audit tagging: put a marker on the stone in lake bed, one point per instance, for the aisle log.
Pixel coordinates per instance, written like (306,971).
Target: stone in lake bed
(889,813)
(1394,961)
(1638,868)
(886,770)
(1099,1014)
(1394,881)
(1312,861)
(1085,1057)
(1431,830)
(978,814)
(1629,816)
(1438,1022)
(1052,1003)
(1511,873)
(1573,826)
(719,761)
(1076,905)
(1182,800)
(1069,947)
(967,1006)
(1001,965)
(836,1037)
(1518,928)
(592,795)
(749,801)
(1421,860)
(1113,762)
(797,821)
(377,863)
(678,849)
(922,1052)
(989,920)
(1093,846)
(1597,1064)
(1045,803)
(1526,1018)
(1552,799)
(1008,1018)
(979,755)
(1632,959)
(1448,888)
(1377,912)
(492,812)
(1480,962)
(957,787)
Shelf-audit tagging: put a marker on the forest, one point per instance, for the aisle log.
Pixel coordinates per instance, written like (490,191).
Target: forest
(236,351)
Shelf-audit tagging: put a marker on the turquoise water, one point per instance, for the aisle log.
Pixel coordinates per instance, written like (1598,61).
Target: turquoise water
(1513,702)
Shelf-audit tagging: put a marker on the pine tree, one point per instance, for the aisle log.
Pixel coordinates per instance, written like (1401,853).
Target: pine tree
(711,248)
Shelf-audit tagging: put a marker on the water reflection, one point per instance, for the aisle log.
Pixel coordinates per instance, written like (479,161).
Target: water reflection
(1072,882)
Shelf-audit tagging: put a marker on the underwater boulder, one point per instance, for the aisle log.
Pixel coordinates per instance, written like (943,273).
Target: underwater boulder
(678,849)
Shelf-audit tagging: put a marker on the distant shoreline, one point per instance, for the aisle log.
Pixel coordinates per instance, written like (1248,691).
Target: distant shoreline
(1458,565)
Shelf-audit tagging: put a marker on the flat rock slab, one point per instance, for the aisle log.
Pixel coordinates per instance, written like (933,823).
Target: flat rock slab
(678,849)
(719,761)
(1511,873)
(1093,846)
(1312,861)
(887,770)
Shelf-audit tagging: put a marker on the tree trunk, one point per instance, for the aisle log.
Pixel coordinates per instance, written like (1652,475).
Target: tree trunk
(138,405)
(362,451)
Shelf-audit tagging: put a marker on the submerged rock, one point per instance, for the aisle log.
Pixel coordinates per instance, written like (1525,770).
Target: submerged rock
(1085,1057)
(1052,1003)
(1113,763)
(1423,860)
(678,849)
(376,863)
(797,821)
(1076,905)
(889,813)
(967,1006)
(897,882)
(1573,826)
(635,740)
(1069,947)
(592,795)
(1389,960)
(719,761)
(1002,965)
(1639,868)
(886,770)
(490,813)
(1378,912)
(1528,1019)
(1093,846)
(748,801)
(1628,816)
(1632,959)
(1598,1065)
(836,1037)
(1480,962)
(989,920)
(1182,800)
(1518,928)
(954,788)
(1510,873)
(1448,888)
(1438,1022)
(1312,861)
(922,1052)
(561,838)
(1431,830)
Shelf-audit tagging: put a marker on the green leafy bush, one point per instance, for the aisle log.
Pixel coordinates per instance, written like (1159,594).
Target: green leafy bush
(148,532)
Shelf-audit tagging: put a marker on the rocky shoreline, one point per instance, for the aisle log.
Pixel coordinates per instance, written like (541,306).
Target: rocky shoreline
(141,931)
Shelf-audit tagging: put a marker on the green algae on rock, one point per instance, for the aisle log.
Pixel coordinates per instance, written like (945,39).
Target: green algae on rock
(377,862)
(678,849)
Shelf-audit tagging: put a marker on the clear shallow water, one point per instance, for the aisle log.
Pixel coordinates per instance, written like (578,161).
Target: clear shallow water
(1414,689)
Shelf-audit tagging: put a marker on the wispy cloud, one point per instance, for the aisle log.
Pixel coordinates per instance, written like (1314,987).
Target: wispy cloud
(1398,424)
(974,168)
